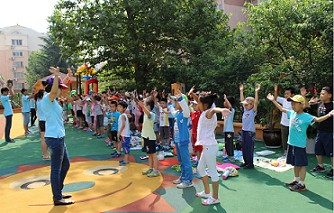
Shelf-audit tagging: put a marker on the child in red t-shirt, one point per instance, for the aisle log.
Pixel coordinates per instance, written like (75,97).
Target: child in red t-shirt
(194,115)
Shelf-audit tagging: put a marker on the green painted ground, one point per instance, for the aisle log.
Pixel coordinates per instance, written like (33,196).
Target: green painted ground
(258,190)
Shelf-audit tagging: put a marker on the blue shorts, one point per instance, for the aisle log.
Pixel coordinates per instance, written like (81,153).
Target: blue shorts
(125,144)
(296,156)
(324,144)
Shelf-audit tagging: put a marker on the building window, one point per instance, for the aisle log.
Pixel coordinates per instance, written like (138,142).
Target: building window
(19,75)
(18,64)
(17,42)
(18,86)
(17,54)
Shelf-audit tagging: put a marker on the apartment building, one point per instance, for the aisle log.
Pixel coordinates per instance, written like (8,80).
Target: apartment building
(234,9)
(16,44)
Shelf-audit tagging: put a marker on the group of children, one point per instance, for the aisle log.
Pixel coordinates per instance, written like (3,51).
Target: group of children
(162,119)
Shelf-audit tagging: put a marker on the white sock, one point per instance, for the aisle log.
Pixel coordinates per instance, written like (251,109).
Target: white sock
(296,179)
(301,182)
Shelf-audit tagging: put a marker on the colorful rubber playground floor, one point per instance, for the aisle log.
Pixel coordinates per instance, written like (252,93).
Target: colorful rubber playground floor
(99,184)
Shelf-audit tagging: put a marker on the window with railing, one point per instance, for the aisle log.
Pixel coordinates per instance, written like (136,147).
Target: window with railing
(19,75)
(17,54)
(18,86)
(18,64)
(16,42)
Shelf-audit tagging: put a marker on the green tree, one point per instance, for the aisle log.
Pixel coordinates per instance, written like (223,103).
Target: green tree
(295,37)
(40,61)
(153,42)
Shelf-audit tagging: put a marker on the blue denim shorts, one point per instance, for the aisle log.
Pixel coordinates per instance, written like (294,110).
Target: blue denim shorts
(126,144)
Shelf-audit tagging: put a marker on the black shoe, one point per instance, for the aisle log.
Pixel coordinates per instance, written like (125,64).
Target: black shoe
(243,165)
(10,141)
(318,169)
(249,167)
(330,174)
(63,202)
(292,183)
(66,196)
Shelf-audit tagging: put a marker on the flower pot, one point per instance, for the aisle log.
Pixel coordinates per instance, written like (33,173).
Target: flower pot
(272,138)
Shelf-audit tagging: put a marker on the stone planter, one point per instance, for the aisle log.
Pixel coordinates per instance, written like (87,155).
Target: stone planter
(238,127)
(15,110)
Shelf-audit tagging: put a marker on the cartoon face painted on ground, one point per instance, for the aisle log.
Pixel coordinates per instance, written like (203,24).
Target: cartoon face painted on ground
(96,186)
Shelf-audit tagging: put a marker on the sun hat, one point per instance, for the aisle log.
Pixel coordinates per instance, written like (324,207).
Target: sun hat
(297,98)
(50,80)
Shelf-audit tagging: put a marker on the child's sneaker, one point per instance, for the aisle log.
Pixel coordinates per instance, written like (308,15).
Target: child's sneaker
(298,187)
(292,183)
(107,140)
(122,163)
(100,136)
(210,201)
(85,129)
(89,130)
(184,185)
(330,174)
(116,155)
(147,172)
(153,174)
(318,169)
(177,181)
(202,194)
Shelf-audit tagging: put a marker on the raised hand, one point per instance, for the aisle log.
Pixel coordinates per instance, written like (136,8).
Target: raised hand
(225,113)
(313,100)
(241,87)
(191,90)
(303,91)
(257,87)
(270,97)
(54,70)
(275,88)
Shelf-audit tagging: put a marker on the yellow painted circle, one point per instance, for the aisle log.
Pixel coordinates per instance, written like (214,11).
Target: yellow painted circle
(111,190)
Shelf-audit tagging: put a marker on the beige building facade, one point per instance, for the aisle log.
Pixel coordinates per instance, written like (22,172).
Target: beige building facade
(16,44)
(234,9)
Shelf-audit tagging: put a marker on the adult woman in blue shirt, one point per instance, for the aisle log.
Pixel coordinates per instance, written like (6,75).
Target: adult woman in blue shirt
(54,137)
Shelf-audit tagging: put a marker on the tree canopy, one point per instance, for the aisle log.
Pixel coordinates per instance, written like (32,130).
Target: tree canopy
(150,41)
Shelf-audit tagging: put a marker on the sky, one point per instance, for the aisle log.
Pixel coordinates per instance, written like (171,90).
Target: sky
(27,13)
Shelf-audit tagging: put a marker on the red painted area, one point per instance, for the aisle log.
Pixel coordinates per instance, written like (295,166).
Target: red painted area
(169,162)
(2,126)
(24,168)
(80,159)
(151,203)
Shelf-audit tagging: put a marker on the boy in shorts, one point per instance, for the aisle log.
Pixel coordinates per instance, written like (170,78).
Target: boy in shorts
(296,154)
(113,115)
(124,131)
(149,138)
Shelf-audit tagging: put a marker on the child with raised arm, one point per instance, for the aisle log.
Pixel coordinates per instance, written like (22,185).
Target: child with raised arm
(299,121)
(206,137)
(195,115)
(228,126)
(149,137)
(181,138)
(248,126)
(124,131)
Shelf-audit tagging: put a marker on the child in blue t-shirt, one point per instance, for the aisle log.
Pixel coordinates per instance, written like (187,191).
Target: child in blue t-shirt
(248,126)
(113,116)
(228,126)
(181,137)
(299,121)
